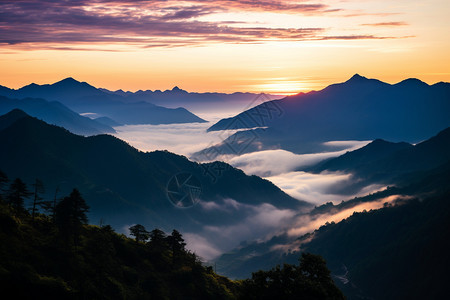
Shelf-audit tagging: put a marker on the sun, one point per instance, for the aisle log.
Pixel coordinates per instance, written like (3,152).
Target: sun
(282,87)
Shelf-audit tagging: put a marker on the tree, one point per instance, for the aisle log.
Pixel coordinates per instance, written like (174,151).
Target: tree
(139,232)
(177,245)
(37,199)
(158,243)
(17,194)
(70,215)
(157,237)
(309,280)
(3,182)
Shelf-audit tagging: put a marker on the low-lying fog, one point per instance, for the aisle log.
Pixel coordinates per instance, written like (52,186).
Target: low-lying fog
(279,166)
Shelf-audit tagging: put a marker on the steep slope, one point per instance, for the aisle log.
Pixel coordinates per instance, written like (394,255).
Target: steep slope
(124,185)
(358,109)
(385,161)
(55,113)
(396,252)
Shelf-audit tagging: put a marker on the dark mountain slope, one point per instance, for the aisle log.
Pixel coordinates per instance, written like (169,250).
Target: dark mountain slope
(55,113)
(396,252)
(123,184)
(388,162)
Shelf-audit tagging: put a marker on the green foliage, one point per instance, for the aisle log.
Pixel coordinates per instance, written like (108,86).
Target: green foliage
(310,280)
(101,265)
(67,259)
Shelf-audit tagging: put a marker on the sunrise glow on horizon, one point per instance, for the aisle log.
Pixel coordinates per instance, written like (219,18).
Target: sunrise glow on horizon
(278,47)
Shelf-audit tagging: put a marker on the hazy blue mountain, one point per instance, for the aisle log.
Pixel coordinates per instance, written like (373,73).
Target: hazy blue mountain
(55,113)
(123,185)
(84,98)
(108,121)
(358,109)
(389,162)
(198,102)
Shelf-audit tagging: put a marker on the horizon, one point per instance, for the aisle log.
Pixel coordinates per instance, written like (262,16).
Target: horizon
(281,47)
(177,87)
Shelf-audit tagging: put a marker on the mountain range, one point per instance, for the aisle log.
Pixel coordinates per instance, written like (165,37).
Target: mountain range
(381,252)
(85,98)
(57,114)
(123,185)
(198,102)
(358,109)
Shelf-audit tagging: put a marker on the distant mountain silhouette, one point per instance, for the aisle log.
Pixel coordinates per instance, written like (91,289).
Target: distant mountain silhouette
(198,102)
(84,98)
(122,184)
(386,162)
(55,113)
(107,121)
(358,109)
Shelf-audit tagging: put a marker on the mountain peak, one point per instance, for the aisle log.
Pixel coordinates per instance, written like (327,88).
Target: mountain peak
(357,78)
(16,113)
(177,89)
(68,80)
(11,117)
(410,82)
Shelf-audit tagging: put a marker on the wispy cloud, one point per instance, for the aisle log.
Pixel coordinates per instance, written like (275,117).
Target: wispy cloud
(254,222)
(150,23)
(388,24)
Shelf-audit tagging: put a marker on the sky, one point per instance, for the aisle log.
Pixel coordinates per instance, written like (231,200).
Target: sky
(280,47)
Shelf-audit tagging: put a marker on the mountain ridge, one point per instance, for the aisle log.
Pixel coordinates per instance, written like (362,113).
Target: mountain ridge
(85,98)
(120,182)
(358,109)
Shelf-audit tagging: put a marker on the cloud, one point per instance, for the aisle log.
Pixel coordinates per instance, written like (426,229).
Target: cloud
(201,246)
(274,162)
(264,222)
(321,188)
(254,222)
(390,24)
(308,223)
(182,139)
(149,23)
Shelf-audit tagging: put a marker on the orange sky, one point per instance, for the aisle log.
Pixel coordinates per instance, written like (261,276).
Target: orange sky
(271,46)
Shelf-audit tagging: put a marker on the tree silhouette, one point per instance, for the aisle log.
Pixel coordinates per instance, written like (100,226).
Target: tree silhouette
(37,199)
(159,248)
(17,194)
(177,245)
(176,241)
(139,232)
(3,182)
(70,215)
(310,280)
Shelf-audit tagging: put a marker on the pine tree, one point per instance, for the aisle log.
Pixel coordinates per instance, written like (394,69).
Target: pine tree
(70,215)
(3,182)
(37,199)
(17,194)
(177,245)
(139,232)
